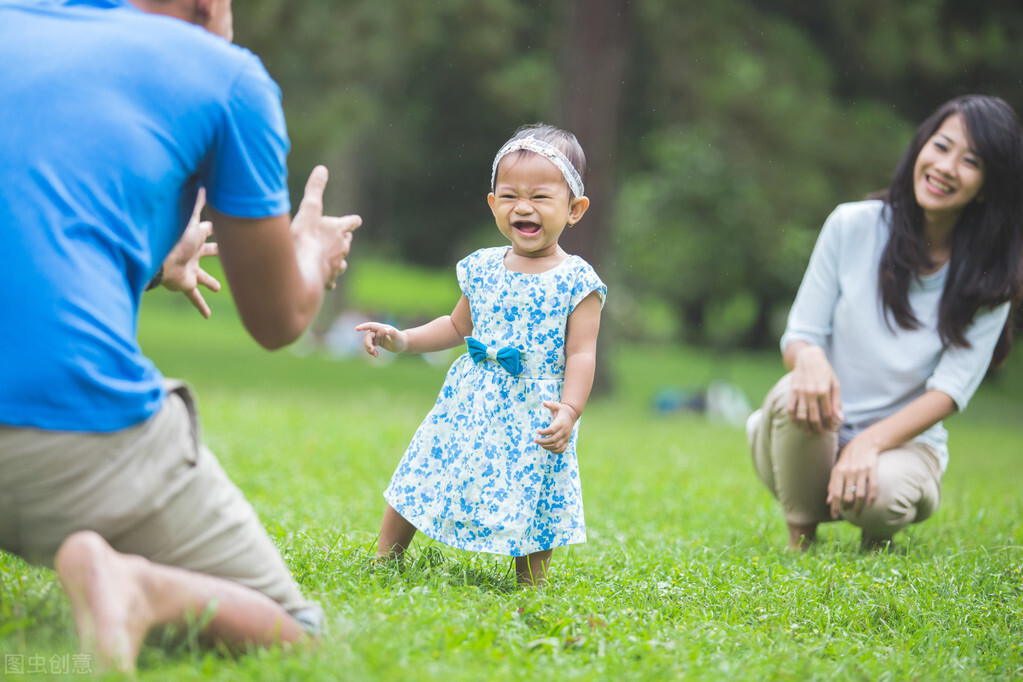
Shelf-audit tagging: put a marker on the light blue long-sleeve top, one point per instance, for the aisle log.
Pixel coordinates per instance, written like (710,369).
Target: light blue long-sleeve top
(883,368)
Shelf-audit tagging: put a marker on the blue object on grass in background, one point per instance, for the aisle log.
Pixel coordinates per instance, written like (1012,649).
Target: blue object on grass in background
(720,401)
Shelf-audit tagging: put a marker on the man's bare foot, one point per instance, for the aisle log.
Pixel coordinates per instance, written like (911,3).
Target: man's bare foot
(108,600)
(802,536)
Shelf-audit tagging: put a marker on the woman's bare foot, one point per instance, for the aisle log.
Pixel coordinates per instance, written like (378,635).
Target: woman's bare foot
(802,536)
(109,602)
(871,543)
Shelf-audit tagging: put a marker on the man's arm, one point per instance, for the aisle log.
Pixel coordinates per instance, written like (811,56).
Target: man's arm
(278,267)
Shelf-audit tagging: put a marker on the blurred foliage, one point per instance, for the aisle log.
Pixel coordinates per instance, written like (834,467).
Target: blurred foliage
(722,212)
(742,125)
(409,293)
(406,102)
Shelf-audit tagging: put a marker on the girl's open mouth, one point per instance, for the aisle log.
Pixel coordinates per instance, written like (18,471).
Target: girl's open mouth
(526,228)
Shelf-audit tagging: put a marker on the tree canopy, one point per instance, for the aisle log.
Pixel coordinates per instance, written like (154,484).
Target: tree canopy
(719,135)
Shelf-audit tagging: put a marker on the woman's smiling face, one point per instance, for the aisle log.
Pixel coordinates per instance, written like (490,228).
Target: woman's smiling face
(947,174)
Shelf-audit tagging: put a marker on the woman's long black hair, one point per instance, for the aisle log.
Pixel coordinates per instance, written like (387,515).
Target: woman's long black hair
(986,264)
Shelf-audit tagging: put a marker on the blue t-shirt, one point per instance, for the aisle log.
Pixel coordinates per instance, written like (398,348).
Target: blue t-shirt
(110,121)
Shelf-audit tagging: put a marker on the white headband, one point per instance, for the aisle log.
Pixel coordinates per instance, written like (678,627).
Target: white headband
(549,152)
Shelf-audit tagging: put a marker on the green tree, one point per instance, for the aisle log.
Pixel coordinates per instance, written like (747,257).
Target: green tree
(409,101)
(743,154)
(719,134)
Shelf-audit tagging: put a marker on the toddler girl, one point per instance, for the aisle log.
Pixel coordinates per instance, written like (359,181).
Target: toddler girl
(493,467)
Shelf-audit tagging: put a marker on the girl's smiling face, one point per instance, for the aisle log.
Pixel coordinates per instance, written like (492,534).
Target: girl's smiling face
(532,204)
(947,174)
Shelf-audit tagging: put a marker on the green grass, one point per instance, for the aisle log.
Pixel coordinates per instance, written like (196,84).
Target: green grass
(385,285)
(684,573)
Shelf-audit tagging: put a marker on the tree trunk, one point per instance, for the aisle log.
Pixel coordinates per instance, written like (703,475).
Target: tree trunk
(693,318)
(760,334)
(592,73)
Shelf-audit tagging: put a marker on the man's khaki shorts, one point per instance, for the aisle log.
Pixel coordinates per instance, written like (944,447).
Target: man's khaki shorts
(152,490)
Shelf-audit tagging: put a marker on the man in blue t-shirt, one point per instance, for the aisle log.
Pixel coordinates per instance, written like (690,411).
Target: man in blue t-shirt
(115,114)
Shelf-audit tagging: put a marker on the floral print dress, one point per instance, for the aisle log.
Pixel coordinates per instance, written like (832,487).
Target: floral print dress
(472,477)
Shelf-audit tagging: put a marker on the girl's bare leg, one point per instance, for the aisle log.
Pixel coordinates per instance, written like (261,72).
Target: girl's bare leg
(531,570)
(117,598)
(395,535)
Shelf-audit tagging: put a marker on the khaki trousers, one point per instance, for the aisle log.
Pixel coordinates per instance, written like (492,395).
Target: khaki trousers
(796,467)
(152,490)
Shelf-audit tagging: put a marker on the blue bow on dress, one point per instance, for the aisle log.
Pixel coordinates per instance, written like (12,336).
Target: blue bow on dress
(508,357)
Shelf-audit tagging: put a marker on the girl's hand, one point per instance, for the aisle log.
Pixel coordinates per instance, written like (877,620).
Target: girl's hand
(384,336)
(558,434)
(815,401)
(853,476)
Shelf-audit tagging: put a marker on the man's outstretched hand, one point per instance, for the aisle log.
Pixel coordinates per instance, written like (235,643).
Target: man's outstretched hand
(181,269)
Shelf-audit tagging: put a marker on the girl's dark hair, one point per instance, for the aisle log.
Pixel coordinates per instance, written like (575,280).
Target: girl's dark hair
(556,137)
(986,264)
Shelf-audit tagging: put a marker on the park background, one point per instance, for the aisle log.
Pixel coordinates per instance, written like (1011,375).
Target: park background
(719,136)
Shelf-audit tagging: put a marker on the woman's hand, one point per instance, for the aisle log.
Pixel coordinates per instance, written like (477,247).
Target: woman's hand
(853,476)
(384,336)
(815,401)
(558,434)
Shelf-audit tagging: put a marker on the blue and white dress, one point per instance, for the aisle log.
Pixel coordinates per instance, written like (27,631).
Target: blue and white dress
(472,477)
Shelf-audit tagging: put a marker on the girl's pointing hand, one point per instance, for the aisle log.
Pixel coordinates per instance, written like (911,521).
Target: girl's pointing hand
(384,336)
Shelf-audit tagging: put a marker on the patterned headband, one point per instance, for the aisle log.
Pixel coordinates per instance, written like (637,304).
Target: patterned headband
(549,152)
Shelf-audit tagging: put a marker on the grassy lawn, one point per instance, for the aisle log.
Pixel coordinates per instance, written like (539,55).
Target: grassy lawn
(684,574)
